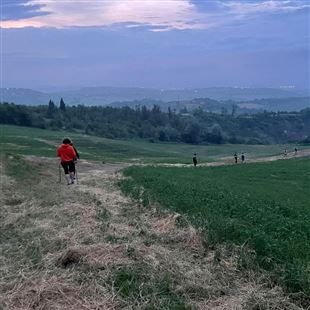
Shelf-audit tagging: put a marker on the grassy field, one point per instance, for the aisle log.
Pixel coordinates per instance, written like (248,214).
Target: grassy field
(89,247)
(40,142)
(263,206)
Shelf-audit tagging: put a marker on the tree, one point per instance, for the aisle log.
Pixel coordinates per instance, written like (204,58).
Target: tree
(215,135)
(62,105)
(192,133)
(162,135)
(223,111)
(51,108)
(144,113)
(234,109)
(169,113)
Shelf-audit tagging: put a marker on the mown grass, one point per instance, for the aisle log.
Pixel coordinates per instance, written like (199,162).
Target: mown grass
(263,206)
(40,142)
(18,236)
(32,236)
(32,196)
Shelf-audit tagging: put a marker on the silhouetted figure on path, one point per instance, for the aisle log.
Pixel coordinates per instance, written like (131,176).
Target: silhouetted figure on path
(242,157)
(195,159)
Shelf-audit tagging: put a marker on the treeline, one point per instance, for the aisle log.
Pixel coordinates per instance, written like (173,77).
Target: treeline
(224,106)
(197,127)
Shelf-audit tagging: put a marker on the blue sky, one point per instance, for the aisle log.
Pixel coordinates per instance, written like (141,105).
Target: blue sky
(155,43)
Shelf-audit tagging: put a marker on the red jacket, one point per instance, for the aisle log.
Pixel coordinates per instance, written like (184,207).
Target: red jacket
(66,152)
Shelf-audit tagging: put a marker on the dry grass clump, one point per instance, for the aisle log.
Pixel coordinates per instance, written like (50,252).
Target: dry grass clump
(71,256)
(165,224)
(175,228)
(55,294)
(268,300)
(97,256)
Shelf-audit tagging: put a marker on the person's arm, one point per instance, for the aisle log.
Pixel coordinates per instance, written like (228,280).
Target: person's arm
(72,152)
(76,152)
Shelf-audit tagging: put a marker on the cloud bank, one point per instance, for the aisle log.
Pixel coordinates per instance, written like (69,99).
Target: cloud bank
(158,15)
(167,14)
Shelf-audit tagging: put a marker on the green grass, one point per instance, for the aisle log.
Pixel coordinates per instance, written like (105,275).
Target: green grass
(40,142)
(260,206)
(264,206)
(135,283)
(19,169)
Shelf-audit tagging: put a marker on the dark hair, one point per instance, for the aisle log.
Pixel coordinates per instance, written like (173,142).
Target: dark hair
(66,141)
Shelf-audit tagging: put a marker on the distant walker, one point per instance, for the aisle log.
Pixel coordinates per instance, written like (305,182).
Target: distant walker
(195,159)
(236,158)
(242,158)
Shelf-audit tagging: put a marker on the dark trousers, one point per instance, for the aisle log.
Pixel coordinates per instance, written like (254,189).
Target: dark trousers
(68,166)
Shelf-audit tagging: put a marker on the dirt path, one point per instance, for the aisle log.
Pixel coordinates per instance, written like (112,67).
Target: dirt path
(230,160)
(97,249)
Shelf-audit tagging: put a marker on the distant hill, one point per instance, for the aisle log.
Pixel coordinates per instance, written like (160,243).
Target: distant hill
(107,95)
(23,96)
(277,104)
(215,106)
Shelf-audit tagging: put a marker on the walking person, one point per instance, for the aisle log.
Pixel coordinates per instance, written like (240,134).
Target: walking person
(295,151)
(242,157)
(236,158)
(67,156)
(195,159)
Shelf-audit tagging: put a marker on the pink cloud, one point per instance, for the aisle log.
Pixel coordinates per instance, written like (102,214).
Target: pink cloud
(170,14)
(160,15)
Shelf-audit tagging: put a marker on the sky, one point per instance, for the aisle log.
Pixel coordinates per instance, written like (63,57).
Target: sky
(154,43)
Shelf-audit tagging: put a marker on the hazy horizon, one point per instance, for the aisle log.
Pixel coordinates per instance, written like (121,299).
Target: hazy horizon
(63,88)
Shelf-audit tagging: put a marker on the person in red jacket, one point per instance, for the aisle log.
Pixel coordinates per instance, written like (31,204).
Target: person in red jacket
(67,156)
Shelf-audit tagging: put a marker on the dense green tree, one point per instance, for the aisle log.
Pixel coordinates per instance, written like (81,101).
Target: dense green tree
(51,108)
(62,105)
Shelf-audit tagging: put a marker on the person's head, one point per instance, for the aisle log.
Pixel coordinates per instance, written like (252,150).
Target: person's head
(66,141)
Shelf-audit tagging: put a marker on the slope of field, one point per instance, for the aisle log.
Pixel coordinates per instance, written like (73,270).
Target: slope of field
(41,142)
(262,206)
(88,247)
